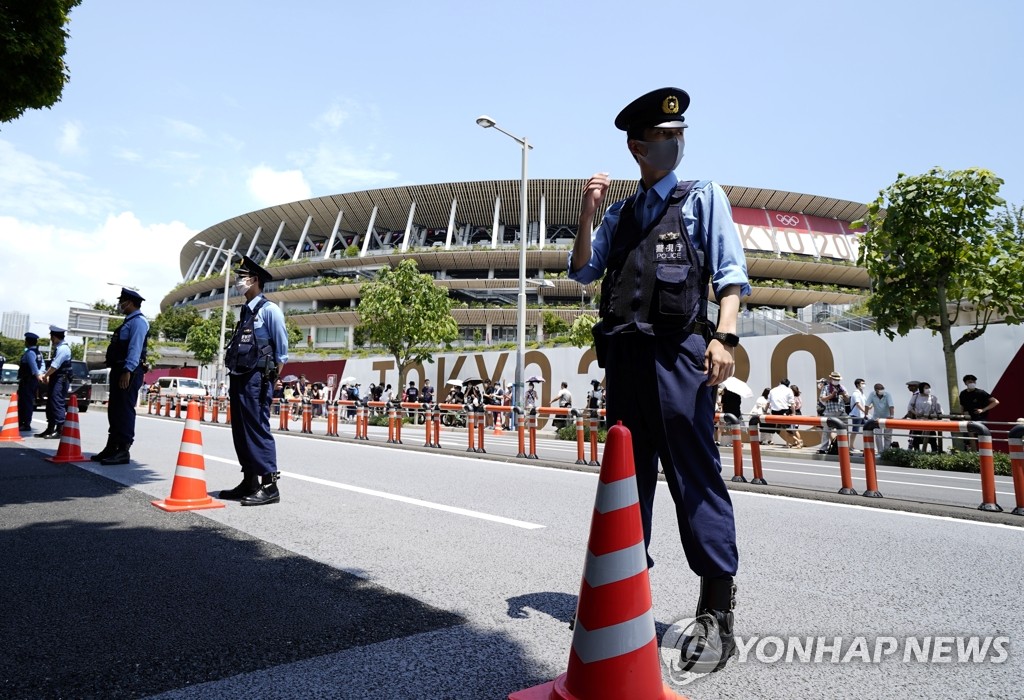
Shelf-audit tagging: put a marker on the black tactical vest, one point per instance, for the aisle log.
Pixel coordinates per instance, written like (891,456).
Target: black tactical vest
(27,368)
(245,351)
(655,281)
(117,350)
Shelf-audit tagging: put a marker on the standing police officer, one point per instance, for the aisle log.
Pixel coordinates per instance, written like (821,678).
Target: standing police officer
(255,357)
(30,372)
(126,358)
(661,248)
(58,376)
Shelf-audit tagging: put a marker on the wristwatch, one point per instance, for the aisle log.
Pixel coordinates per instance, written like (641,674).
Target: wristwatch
(730,339)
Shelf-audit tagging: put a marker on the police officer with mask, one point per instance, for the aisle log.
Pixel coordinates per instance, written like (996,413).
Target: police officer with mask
(30,371)
(255,357)
(58,376)
(661,247)
(126,358)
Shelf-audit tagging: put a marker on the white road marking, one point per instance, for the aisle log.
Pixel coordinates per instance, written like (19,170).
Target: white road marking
(878,511)
(401,499)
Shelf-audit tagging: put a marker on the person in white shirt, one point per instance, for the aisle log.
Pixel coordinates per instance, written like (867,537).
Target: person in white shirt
(780,403)
(880,406)
(858,411)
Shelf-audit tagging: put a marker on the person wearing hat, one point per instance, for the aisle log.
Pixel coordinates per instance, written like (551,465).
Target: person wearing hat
(255,356)
(595,397)
(914,439)
(58,377)
(975,402)
(661,247)
(833,397)
(30,371)
(126,358)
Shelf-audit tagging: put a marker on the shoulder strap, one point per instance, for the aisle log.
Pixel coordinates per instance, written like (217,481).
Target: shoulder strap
(678,196)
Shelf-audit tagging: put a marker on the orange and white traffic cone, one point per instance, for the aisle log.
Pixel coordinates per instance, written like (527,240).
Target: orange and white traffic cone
(188,491)
(614,645)
(11,431)
(70,447)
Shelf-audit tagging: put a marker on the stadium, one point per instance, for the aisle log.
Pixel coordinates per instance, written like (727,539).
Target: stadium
(801,256)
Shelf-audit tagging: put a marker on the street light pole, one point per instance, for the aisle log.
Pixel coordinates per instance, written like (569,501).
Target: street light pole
(488,123)
(223,319)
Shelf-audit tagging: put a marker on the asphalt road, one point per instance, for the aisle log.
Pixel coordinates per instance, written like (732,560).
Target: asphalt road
(402,573)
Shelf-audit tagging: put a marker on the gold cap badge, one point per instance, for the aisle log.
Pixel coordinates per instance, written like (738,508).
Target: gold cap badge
(670,105)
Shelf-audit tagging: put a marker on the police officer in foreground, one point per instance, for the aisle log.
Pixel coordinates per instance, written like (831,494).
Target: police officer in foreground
(255,357)
(662,357)
(58,376)
(30,371)
(126,358)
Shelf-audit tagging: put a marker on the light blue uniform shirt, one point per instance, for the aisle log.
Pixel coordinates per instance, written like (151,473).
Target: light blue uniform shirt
(35,361)
(269,325)
(707,216)
(881,404)
(137,330)
(61,355)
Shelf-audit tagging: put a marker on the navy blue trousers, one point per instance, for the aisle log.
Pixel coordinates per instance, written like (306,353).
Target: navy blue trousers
(250,423)
(121,406)
(56,404)
(656,387)
(27,389)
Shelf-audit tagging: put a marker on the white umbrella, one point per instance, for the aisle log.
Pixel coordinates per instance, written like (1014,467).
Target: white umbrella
(738,386)
(348,380)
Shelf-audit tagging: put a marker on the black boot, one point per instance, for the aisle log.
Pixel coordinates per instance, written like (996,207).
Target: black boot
(48,432)
(249,486)
(58,429)
(120,455)
(105,452)
(717,600)
(267,493)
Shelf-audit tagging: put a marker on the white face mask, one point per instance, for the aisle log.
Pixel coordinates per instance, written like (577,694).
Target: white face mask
(971,385)
(926,392)
(242,285)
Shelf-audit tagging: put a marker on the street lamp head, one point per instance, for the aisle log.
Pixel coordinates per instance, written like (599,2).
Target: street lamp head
(485,121)
(200,244)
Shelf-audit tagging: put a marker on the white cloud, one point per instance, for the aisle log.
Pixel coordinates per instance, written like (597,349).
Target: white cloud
(127,155)
(33,188)
(270,187)
(335,168)
(45,265)
(333,118)
(69,141)
(184,130)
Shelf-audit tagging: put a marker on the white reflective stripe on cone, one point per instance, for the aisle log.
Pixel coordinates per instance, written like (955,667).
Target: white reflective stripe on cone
(616,495)
(615,566)
(614,640)
(190,473)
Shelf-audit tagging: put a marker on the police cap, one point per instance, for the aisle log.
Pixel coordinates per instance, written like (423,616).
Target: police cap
(663,107)
(131,295)
(248,266)
(55,330)
(31,336)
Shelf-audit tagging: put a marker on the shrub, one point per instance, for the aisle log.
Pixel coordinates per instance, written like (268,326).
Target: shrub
(569,433)
(949,462)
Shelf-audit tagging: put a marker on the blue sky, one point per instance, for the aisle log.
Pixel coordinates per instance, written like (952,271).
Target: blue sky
(180,115)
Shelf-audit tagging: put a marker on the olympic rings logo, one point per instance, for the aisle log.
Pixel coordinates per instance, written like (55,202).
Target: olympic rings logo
(787,219)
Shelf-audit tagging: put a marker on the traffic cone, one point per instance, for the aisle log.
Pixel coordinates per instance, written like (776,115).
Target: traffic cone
(614,644)
(188,491)
(11,432)
(70,447)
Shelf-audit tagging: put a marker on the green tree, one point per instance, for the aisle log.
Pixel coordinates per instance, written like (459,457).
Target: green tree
(203,339)
(175,322)
(553,324)
(295,335)
(11,348)
(32,47)
(406,313)
(579,332)
(938,257)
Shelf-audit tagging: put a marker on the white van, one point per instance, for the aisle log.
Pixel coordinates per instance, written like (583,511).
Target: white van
(181,386)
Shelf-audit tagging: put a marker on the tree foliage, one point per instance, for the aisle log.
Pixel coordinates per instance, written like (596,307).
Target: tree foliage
(203,338)
(580,332)
(176,322)
(938,256)
(406,313)
(32,47)
(553,324)
(295,334)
